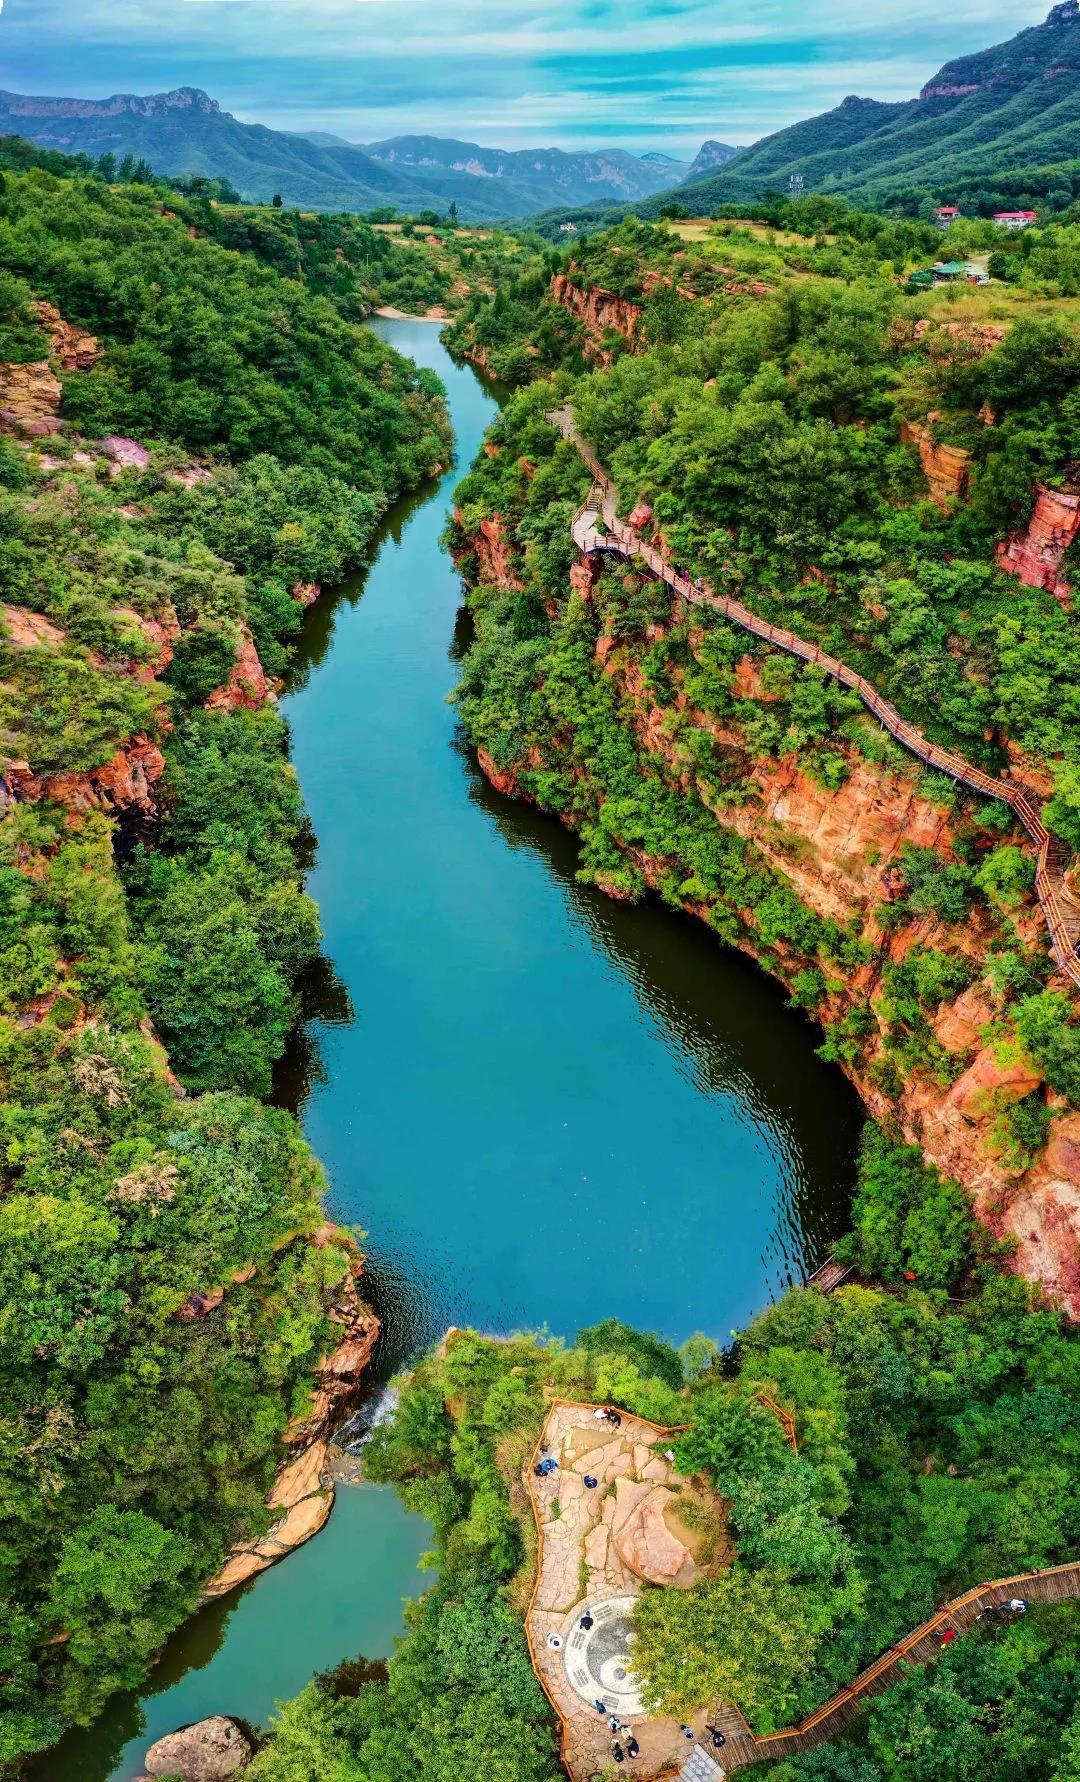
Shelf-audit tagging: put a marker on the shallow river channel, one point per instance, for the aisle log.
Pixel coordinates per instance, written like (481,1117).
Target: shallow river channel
(543,1107)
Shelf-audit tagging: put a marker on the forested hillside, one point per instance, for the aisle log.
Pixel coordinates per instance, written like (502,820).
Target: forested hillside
(860,467)
(191,443)
(783,420)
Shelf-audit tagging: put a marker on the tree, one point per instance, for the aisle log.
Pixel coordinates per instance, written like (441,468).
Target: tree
(745,1638)
(277,201)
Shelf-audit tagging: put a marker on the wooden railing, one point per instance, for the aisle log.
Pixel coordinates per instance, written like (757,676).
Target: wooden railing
(1060,1583)
(596,527)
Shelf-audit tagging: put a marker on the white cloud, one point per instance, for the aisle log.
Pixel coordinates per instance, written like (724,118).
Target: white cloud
(520,71)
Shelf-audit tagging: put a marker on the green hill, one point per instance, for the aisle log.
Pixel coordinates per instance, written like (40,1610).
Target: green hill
(980,122)
(988,130)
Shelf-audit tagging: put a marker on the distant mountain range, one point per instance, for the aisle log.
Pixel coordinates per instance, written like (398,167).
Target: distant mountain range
(536,178)
(187,132)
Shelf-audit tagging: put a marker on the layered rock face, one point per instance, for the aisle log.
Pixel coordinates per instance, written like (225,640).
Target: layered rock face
(1035,556)
(125,783)
(303,1493)
(602,312)
(30,394)
(495,552)
(945,466)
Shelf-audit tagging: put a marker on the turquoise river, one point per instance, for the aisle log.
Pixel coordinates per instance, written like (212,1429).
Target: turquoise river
(543,1107)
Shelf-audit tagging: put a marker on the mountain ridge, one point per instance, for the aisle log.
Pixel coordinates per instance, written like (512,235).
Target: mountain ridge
(185,131)
(995,127)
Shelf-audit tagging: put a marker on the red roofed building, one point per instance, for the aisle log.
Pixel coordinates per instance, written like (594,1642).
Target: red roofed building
(1016,219)
(946,214)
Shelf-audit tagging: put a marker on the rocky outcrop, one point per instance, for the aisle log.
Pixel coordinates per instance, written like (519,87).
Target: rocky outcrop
(645,1543)
(71,347)
(1035,556)
(209,1751)
(601,312)
(247,687)
(30,394)
(124,454)
(125,783)
(945,467)
(25,630)
(303,1493)
(494,552)
(30,400)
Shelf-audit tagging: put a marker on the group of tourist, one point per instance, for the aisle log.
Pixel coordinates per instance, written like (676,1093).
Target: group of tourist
(618,1728)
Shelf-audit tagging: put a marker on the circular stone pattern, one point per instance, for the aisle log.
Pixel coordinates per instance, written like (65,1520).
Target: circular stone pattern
(598,1662)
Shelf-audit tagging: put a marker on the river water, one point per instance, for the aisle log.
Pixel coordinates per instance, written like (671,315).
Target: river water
(545,1108)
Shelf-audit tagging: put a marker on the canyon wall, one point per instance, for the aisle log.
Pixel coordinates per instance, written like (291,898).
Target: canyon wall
(840,852)
(1036,554)
(302,1496)
(602,313)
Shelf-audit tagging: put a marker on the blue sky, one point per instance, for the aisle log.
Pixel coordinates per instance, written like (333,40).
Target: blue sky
(642,74)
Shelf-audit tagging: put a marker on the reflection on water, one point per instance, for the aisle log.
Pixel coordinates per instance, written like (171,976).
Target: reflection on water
(549,1108)
(546,1108)
(340,1595)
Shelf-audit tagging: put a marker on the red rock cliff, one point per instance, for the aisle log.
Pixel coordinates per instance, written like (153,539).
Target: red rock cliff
(601,311)
(1035,556)
(30,394)
(840,852)
(124,783)
(945,466)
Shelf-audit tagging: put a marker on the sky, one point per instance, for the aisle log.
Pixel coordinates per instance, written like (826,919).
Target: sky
(639,74)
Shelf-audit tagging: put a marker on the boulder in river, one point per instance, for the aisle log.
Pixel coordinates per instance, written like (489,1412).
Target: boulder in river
(209,1751)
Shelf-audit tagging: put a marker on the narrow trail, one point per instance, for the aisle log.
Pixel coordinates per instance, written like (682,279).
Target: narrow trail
(597,528)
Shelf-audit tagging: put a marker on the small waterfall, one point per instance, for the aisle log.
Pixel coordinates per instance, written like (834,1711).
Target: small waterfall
(369,1416)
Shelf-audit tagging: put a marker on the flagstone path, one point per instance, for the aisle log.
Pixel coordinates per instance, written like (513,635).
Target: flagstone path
(597,1548)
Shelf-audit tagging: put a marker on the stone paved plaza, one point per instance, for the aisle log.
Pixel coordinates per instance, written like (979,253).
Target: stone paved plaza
(598,1547)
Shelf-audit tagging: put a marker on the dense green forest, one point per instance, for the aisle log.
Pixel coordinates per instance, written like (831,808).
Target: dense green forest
(938,1444)
(360,262)
(758,414)
(138,1445)
(764,431)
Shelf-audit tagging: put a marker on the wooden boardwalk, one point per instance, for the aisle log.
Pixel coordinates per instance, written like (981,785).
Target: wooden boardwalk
(1055,1584)
(1058,1584)
(596,527)
(830,1275)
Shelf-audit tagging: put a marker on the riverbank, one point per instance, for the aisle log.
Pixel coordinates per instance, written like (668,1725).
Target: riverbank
(387,313)
(500,1063)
